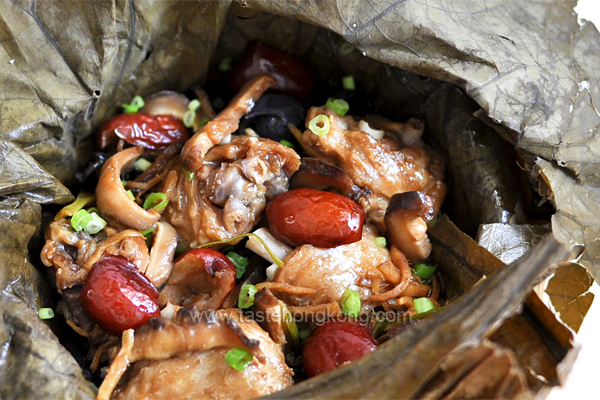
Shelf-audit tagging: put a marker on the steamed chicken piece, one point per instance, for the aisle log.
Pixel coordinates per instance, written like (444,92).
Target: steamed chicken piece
(228,193)
(73,253)
(380,166)
(331,271)
(204,373)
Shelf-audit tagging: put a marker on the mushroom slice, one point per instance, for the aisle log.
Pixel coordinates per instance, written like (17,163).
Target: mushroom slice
(270,315)
(225,123)
(200,278)
(189,331)
(406,220)
(166,102)
(161,254)
(316,174)
(113,200)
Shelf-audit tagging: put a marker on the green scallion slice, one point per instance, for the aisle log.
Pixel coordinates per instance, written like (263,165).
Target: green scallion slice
(238,358)
(246,298)
(348,82)
(189,118)
(82,200)
(124,183)
(190,175)
(194,105)
(339,106)
(157,201)
(203,122)
(130,194)
(346,48)
(46,313)
(136,103)
(380,241)
(351,303)
(423,304)
(80,219)
(142,164)
(147,231)
(424,271)
(291,326)
(287,143)
(240,263)
(319,125)
(95,224)
(304,334)
(225,64)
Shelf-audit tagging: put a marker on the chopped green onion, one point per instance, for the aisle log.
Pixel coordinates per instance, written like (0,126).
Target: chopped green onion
(339,106)
(287,143)
(291,326)
(92,223)
(130,194)
(189,118)
(46,313)
(194,105)
(319,125)
(351,303)
(80,219)
(380,327)
(190,115)
(246,298)
(82,200)
(203,122)
(93,209)
(239,262)
(95,225)
(346,48)
(304,333)
(423,304)
(380,241)
(136,103)
(348,82)
(225,64)
(425,314)
(424,271)
(238,358)
(181,248)
(124,183)
(147,231)
(142,164)
(275,259)
(157,201)
(190,175)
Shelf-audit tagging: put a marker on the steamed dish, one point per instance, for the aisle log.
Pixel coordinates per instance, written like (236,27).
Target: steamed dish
(227,254)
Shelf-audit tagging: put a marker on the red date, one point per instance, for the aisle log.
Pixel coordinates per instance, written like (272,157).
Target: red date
(292,76)
(117,296)
(309,216)
(335,343)
(146,130)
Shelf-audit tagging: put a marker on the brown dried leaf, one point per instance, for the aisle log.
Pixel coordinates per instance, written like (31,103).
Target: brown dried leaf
(485,371)
(537,340)
(568,292)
